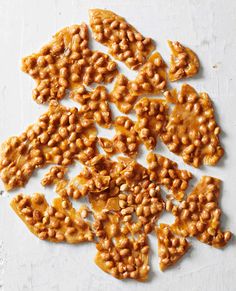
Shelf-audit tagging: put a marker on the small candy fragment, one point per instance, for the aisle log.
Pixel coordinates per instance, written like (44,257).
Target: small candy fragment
(171,248)
(184,62)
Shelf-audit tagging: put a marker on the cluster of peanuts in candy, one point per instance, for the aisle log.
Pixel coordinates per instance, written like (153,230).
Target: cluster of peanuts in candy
(184,62)
(125,197)
(66,62)
(151,79)
(60,136)
(199,215)
(55,173)
(57,223)
(170,247)
(125,43)
(121,256)
(166,173)
(152,117)
(192,131)
(126,139)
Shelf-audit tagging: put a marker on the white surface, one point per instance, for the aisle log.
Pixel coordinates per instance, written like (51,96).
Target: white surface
(209,28)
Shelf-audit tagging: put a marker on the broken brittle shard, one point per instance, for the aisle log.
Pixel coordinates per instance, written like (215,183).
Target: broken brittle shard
(152,115)
(66,62)
(184,62)
(60,136)
(171,248)
(125,43)
(165,172)
(94,104)
(192,131)
(199,215)
(126,139)
(119,255)
(151,79)
(57,223)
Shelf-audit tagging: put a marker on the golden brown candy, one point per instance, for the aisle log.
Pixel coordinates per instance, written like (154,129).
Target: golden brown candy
(119,255)
(152,115)
(151,79)
(184,62)
(60,136)
(171,248)
(94,104)
(192,131)
(57,223)
(125,43)
(199,215)
(55,174)
(66,62)
(165,172)
(126,139)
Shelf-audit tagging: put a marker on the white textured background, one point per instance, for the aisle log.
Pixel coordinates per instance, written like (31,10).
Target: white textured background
(209,28)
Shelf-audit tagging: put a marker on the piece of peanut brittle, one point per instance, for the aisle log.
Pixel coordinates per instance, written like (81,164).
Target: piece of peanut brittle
(151,79)
(199,215)
(171,248)
(60,136)
(126,139)
(118,254)
(165,172)
(57,223)
(192,131)
(54,175)
(152,115)
(94,104)
(184,62)
(66,62)
(125,43)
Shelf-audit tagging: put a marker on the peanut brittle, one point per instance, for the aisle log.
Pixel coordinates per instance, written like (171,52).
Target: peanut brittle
(119,255)
(55,174)
(123,94)
(184,62)
(125,141)
(60,136)
(66,62)
(151,79)
(123,187)
(125,43)
(170,247)
(57,223)
(139,196)
(152,117)
(199,215)
(165,172)
(94,104)
(93,179)
(192,131)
